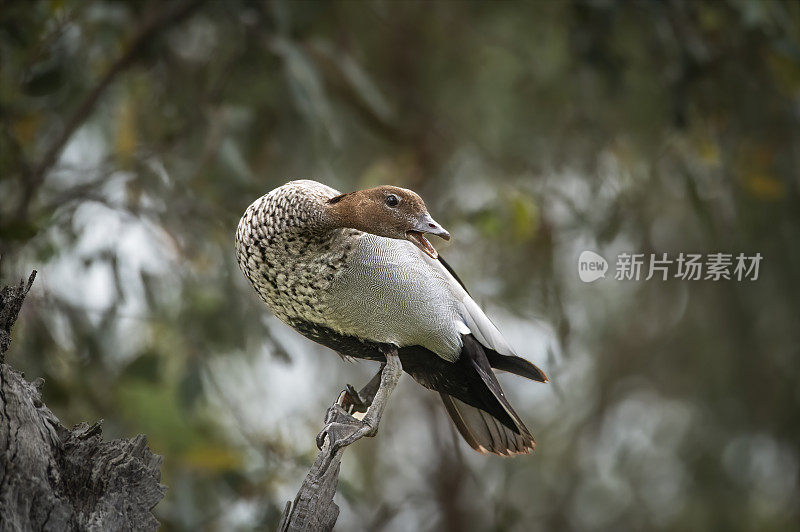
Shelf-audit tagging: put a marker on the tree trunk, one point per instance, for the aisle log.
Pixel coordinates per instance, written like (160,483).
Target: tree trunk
(54,478)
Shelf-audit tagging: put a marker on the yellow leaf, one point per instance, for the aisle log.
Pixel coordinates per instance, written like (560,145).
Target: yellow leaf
(708,151)
(25,128)
(765,187)
(524,217)
(126,130)
(213,458)
(786,71)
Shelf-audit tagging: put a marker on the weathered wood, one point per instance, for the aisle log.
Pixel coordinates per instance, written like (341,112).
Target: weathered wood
(11,298)
(313,508)
(54,478)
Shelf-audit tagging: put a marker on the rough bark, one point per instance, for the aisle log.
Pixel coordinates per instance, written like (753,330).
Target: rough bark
(54,478)
(313,508)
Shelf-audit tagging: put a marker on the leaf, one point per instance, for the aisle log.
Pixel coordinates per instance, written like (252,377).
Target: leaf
(145,367)
(26,127)
(765,187)
(18,230)
(232,157)
(358,82)
(213,458)
(44,80)
(525,217)
(126,134)
(306,87)
(191,386)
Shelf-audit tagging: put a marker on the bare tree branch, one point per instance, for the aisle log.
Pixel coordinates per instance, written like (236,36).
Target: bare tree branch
(313,508)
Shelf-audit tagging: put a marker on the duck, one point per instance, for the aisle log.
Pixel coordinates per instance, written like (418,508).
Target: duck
(355,273)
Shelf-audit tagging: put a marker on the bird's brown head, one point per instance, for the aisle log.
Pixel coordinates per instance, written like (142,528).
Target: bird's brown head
(387,211)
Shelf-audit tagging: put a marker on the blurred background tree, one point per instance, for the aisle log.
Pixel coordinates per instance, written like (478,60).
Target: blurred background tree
(134,134)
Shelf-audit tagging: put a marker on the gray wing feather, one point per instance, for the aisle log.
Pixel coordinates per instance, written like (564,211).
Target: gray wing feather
(392,292)
(474,318)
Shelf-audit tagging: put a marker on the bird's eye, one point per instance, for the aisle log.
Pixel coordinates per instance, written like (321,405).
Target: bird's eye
(392,201)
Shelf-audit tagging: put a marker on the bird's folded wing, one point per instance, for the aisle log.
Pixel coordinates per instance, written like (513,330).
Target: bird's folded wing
(477,322)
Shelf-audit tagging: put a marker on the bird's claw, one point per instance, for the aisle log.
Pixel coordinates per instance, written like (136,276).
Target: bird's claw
(342,429)
(351,400)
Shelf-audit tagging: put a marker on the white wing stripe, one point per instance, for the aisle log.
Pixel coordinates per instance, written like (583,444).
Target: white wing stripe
(483,329)
(475,320)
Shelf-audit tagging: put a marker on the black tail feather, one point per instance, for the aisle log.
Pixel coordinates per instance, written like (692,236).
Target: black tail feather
(516,365)
(487,420)
(485,433)
(472,394)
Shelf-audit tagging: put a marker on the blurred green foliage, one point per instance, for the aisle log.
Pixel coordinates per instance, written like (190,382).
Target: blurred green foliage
(134,134)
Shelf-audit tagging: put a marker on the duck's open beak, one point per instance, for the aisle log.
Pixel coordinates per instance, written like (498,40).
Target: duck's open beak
(426,224)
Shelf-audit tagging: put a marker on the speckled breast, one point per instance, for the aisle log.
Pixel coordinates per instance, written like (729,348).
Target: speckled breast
(287,260)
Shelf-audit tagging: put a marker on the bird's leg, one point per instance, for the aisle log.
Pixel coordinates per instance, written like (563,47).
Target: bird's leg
(359,401)
(343,429)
